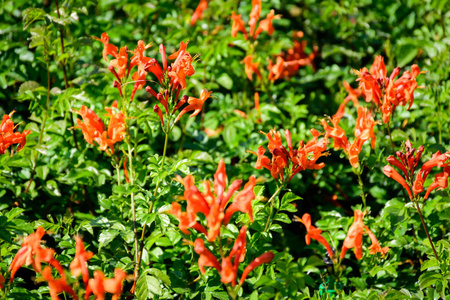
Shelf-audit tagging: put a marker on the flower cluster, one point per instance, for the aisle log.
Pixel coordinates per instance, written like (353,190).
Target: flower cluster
(352,240)
(286,163)
(386,92)
(238,24)
(33,254)
(94,130)
(8,137)
(288,63)
(171,78)
(214,206)
(364,130)
(408,162)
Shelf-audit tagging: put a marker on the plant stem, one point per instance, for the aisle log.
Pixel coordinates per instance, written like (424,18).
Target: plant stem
(133,209)
(66,81)
(425,227)
(361,186)
(390,137)
(271,200)
(41,133)
(144,228)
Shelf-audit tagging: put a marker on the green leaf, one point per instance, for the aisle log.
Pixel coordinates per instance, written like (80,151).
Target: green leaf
(161,276)
(107,237)
(428,278)
(225,81)
(147,286)
(31,15)
(28,86)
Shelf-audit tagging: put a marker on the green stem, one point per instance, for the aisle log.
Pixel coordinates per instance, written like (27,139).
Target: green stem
(41,133)
(361,186)
(144,228)
(425,227)
(390,137)
(133,210)
(271,200)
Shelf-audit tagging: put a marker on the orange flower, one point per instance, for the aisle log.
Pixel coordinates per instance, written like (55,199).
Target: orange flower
(78,265)
(213,205)
(99,285)
(314,233)
(336,133)
(94,130)
(199,11)
(109,49)
(440,182)
(386,92)
(392,173)
(207,259)
(237,25)
(7,135)
(354,236)
(251,68)
(195,104)
(120,63)
(254,15)
(33,254)
(266,24)
(57,286)
(262,259)
(291,162)
(375,247)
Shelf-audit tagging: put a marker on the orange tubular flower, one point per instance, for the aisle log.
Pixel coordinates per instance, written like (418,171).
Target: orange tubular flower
(33,254)
(7,135)
(99,285)
(109,49)
(120,63)
(254,15)
(440,182)
(266,24)
(237,25)
(262,259)
(375,247)
(293,161)
(94,129)
(354,236)
(199,11)
(386,92)
(195,104)
(392,173)
(78,265)
(251,68)
(336,133)
(57,286)
(314,233)
(213,205)
(207,259)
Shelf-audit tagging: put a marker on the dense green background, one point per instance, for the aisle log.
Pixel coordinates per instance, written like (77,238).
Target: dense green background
(74,190)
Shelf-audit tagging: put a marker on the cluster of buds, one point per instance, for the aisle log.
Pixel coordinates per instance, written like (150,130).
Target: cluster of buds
(414,179)
(94,130)
(33,254)
(288,63)
(352,240)
(171,78)
(7,135)
(286,163)
(214,206)
(364,130)
(386,92)
(238,24)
